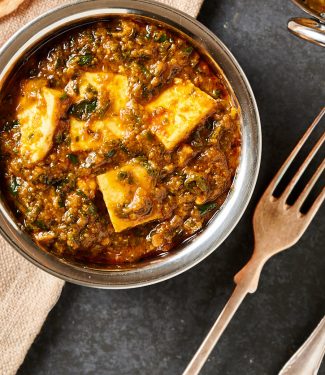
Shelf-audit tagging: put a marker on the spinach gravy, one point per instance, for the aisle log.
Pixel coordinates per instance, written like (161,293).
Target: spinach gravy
(119,141)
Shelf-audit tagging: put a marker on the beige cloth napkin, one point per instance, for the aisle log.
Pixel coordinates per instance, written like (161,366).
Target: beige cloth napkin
(27,294)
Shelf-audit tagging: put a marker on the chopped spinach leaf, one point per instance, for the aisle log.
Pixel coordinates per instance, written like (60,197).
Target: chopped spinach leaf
(41,225)
(61,200)
(148,134)
(59,63)
(209,124)
(64,96)
(206,208)
(83,109)
(81,194)
(109,154)
(125,149)
(188,50)
(85,59)
(162,38)
(73,158)
(92,209)
(147,165)
(122,175)
(196,181)
(75,87)
(14,185)
(125,176)
(59,138)
(144,70)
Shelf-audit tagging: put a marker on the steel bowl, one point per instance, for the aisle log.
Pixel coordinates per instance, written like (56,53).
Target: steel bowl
(191,252)
(310,29)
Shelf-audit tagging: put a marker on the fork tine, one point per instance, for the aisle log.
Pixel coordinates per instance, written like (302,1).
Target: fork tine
(303,195)
(315,206)
(302,168)
(293,154)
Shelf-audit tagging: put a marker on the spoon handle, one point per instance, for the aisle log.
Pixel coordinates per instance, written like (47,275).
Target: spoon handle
(308,29)
(216,331)
(307,360)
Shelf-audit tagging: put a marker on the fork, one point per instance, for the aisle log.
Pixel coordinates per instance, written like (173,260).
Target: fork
(277,226)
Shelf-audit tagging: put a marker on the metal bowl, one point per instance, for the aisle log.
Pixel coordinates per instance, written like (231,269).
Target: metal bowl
(310,29)
(193,251)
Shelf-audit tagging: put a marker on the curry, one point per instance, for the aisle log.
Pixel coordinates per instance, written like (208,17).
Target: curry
(119,141)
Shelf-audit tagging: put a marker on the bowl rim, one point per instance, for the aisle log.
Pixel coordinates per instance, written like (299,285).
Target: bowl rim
(223,222)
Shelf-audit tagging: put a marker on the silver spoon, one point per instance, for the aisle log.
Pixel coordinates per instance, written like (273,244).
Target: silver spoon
(311,29)
(307,360)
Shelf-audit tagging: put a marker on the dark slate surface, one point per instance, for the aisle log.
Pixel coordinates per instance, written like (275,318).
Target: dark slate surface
(155,330)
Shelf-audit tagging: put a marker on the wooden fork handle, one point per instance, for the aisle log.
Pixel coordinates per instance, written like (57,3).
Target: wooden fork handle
(246,280)
(249,275)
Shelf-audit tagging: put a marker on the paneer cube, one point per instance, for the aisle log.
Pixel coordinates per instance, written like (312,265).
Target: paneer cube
(38,117)
(129,196)
(116,85)
(90,135)
(178,110)
(111,93)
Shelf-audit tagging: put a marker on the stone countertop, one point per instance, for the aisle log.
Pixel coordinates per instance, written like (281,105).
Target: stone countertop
(155,330)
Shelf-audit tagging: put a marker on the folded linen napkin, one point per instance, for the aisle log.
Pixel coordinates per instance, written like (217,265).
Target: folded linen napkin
(27,294)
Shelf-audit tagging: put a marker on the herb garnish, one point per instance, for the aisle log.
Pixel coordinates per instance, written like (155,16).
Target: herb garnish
(83,109)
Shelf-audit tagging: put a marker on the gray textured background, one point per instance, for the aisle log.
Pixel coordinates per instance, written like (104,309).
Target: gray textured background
(155,330)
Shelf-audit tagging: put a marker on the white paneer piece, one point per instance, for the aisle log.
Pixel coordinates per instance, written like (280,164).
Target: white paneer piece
(38,115)
(111,88)
(178,110)
(86,136)
(115,84)
(128,193)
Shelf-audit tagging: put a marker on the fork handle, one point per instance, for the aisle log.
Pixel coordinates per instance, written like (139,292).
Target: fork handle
(249,275)
(246,281)
(216,331)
